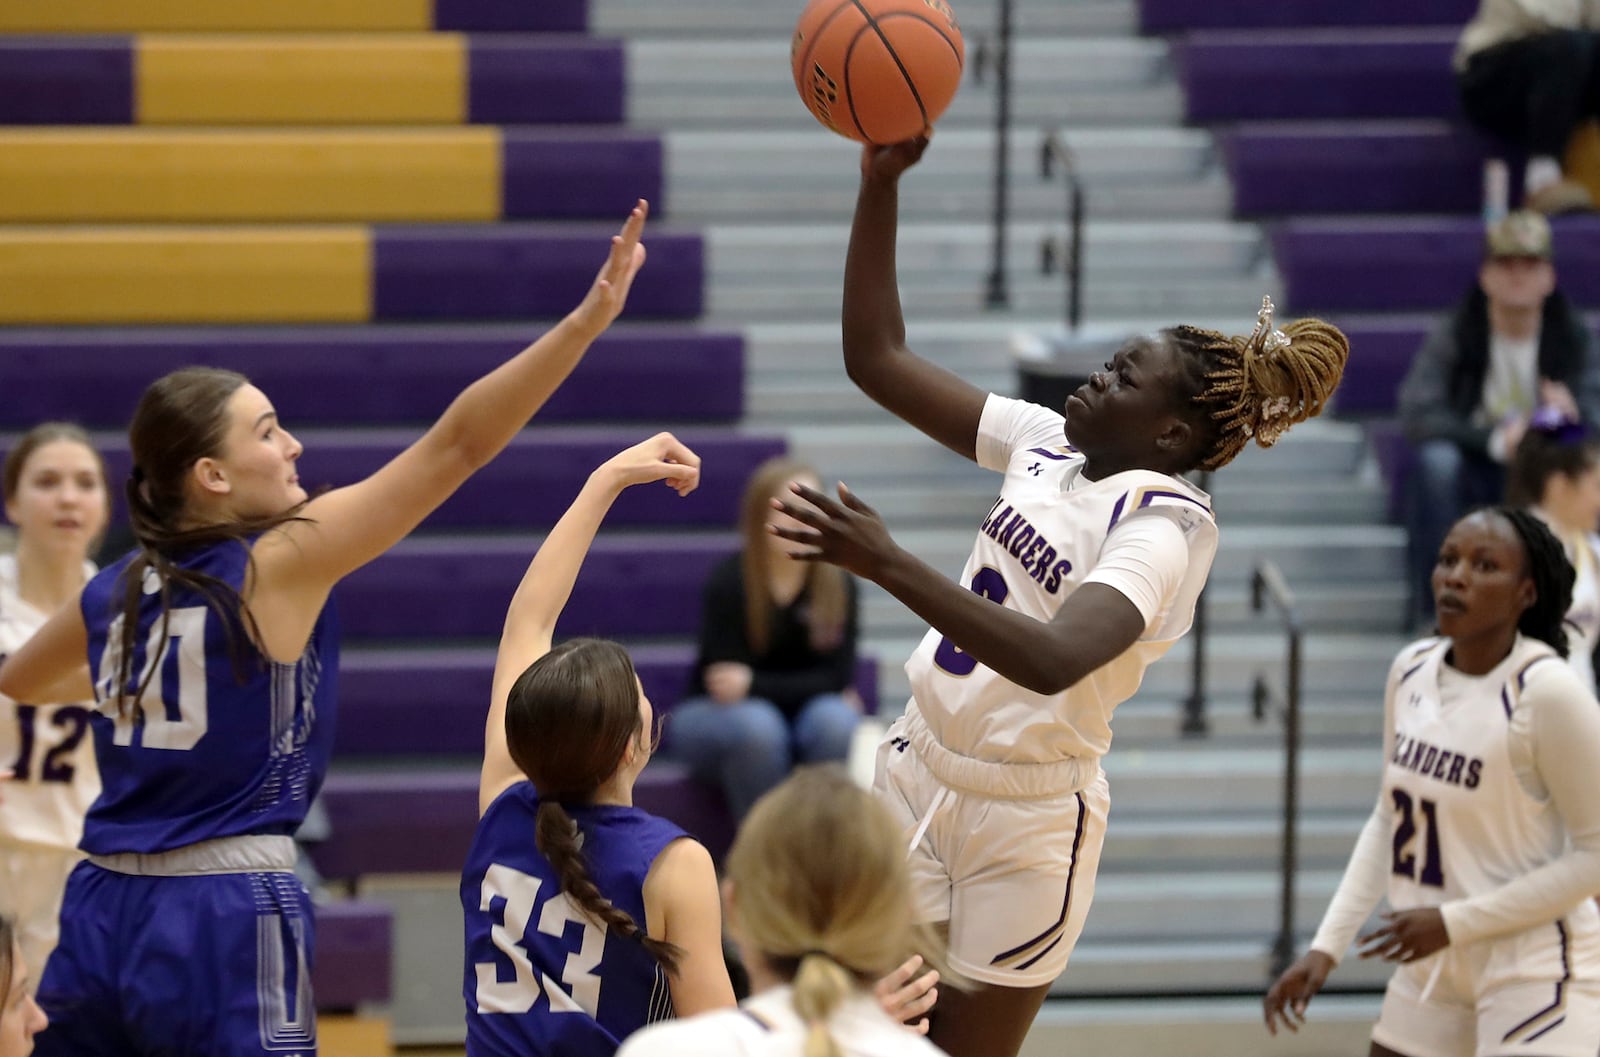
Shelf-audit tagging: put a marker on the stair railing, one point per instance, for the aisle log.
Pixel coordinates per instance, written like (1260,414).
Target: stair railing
(1267,584)
(1055,155)
(994,55)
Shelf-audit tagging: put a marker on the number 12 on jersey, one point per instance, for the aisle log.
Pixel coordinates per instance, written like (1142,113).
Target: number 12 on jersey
(1405,834)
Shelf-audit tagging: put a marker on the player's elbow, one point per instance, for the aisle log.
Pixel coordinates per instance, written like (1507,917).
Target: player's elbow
(1049,677)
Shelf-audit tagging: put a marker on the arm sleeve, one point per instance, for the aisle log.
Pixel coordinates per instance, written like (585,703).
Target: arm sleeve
(1425,395)
(1563,722)
(833,671)
(1145,559)
(1366,876)
(1008,426)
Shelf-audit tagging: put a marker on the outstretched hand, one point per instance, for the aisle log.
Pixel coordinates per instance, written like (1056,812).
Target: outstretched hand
(907,997)
(844,532)
(888,163)
(1292,992)
(604,301)
(661,458)
(1406,935)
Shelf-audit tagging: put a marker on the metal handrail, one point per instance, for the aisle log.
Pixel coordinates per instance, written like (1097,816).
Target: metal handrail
(1194,723)
(1267,584)
(998,53)
(1055,153)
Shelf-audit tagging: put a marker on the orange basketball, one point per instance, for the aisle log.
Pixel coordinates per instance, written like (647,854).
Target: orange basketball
(878,71)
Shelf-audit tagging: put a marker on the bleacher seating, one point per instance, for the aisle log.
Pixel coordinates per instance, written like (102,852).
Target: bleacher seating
(364,205)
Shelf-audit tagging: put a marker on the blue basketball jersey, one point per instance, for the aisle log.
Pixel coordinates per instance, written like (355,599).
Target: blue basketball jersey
(224,741)
(541,977)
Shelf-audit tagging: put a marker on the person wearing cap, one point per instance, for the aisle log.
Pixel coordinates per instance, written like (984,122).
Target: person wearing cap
(1528,73)
(1513,344)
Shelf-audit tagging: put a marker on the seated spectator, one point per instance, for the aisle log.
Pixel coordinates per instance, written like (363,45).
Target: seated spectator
(772,685)
(1512,344)
(1529,74)
(1556,474)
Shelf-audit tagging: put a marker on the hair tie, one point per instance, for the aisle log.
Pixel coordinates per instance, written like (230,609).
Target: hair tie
(1268,339)
(1550,421)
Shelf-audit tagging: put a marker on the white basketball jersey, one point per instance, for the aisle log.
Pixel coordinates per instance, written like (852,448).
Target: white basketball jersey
(1040,540)
(1462,823)
(1583,617)
(48,747)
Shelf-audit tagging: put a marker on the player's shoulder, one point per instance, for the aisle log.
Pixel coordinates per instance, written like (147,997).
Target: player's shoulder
(717,1033)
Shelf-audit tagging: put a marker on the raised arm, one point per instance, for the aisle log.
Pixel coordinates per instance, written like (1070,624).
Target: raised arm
(348,527)
(936,401)
(546,586)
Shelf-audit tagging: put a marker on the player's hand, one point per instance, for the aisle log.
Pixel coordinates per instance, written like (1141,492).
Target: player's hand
(845,532)
(604,301)
(886,164)
(907,997)
(728,681)
(1292,992)
(661,458)
(1406,935)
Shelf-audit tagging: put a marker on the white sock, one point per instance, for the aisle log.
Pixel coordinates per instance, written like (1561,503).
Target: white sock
(1542,171)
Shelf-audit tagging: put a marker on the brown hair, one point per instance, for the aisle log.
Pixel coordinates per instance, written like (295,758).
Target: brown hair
(1256,387)
(39,436)
(1541,455)
(181,418)
(570,718)
(8,948)
(824,585)
(821,889)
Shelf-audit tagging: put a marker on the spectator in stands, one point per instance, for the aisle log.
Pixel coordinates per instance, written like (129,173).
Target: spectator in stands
(20,1018)
(818,899)
(1513,344)
(1556,474)
(55,493)
(772,686)
(1529,74)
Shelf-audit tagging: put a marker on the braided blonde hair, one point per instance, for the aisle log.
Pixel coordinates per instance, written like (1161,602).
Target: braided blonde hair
(1256,387)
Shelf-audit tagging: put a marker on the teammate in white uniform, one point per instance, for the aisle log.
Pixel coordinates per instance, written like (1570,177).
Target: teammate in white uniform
(818,900)
(1556,473)
(1085,571)
(1486,834)
(55,492)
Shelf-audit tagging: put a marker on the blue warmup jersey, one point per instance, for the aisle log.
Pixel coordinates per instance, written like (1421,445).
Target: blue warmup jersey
(222,743)
(541,978)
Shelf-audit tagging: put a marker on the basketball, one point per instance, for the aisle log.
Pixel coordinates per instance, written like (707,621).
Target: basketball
(878,71)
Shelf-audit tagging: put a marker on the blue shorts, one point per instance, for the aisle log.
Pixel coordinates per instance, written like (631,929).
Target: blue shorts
(216,965)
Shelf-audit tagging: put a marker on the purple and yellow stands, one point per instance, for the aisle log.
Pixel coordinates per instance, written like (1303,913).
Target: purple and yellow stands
(432,702)
(457,587)
(143,175)
(311,79)
(184,275)
(516,270)
(1345,73)
(1174,16)
(1373,167)
(65,81)
(333,274)
(354,941)
(1399,264)
(416,820)
(259,16)
(381,373)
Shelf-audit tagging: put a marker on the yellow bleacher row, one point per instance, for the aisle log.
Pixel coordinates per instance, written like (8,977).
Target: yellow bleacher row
(136,175)
(185,275)
(126,16)
(191,79)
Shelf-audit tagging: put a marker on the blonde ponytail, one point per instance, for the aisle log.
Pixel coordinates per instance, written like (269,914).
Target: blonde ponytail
(821,986)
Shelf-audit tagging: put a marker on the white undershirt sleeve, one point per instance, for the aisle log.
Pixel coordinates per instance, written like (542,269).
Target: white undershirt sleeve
(1563,722)
(1145,558)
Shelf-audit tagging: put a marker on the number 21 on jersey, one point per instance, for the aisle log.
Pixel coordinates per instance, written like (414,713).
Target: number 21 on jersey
(579,990)
(1406,853)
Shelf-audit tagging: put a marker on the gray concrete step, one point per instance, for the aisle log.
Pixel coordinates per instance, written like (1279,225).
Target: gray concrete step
(1209,966)
(1174,848)
(775,19)
(1198,1027)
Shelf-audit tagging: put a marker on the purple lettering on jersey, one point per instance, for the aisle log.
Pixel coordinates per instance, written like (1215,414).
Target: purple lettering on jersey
(1474,770)
(1050,454)
(1027,556)
(991,524)
(1004,538)
(1025,537)
(1062,568)
(1041,567)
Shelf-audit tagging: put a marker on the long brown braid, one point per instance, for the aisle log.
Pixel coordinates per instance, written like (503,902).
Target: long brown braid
(1256,387)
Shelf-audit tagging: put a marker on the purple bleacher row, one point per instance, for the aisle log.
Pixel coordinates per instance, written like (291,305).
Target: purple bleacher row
(359,375)
(353,950)
(1170,16)
(1409,264)
(518,270)
(525,489)
(1345,73)
(433,702)
(515,81)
